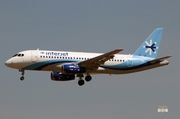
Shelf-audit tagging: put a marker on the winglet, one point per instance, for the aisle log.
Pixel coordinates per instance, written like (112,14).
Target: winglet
(117,50)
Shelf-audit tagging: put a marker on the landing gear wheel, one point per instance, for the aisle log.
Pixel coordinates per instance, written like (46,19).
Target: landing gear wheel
(81,82)
(22,78)
(88,78)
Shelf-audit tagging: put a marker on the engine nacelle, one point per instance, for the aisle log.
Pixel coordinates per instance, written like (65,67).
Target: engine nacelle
(56,76)
(72,68)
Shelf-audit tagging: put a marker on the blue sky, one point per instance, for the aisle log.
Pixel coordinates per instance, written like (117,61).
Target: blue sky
(92,26)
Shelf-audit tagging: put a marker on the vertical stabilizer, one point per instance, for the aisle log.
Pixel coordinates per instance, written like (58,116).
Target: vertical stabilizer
(151,45)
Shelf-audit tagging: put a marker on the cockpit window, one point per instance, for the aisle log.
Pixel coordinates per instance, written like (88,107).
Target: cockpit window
(18,55)
(15,55)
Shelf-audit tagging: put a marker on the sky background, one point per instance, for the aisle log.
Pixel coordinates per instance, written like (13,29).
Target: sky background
(89,26)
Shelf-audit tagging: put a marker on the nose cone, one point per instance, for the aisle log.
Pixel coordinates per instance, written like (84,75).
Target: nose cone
(16,63)
(8,63)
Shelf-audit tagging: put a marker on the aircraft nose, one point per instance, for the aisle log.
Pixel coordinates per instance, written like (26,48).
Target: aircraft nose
(8,63)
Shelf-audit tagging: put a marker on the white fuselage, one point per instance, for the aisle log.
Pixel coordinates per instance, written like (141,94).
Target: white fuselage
(44,60)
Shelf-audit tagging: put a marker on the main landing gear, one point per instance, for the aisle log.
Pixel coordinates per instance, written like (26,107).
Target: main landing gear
(81,81)
(88,78)
(22,73)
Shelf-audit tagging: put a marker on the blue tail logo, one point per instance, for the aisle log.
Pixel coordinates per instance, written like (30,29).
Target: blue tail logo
(150,47)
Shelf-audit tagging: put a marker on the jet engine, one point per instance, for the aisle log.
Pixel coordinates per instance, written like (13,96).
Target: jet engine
(73,69)
(56,76)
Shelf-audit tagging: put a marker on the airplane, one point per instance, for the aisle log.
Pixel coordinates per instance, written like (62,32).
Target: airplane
(65,65)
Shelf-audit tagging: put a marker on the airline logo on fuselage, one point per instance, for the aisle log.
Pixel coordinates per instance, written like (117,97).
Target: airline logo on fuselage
(51,53)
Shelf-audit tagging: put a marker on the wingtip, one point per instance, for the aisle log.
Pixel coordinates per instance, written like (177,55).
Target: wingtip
(119,50)
(168,56)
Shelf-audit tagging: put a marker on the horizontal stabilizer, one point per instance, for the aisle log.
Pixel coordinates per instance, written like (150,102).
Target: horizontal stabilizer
(159,59)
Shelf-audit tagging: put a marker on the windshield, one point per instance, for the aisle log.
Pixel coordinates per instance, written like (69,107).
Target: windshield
(15,55)
(18,55)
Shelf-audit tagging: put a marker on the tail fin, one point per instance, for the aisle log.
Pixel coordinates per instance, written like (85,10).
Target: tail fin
(150,46)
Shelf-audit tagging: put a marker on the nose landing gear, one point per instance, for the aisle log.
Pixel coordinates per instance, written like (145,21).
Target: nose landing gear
(22,73)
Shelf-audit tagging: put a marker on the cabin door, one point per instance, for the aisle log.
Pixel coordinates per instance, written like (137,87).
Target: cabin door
(34,56)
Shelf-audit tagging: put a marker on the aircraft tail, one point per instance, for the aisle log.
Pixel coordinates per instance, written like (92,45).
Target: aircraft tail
(151,45)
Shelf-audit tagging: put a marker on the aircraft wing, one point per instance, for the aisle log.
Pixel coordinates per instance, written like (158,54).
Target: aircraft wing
(159,59)
(95,62)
